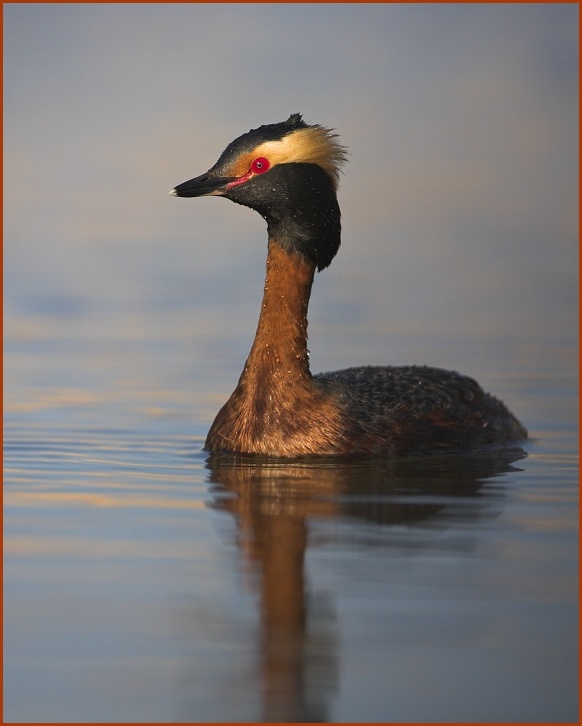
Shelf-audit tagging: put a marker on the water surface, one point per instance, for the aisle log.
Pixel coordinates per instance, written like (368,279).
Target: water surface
(146,581)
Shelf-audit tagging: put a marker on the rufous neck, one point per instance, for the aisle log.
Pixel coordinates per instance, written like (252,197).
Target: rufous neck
(281,338)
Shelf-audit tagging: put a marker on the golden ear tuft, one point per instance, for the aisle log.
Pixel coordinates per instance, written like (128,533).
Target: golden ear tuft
(311,145)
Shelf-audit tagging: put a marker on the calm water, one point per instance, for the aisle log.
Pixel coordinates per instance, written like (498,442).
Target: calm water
(145,581)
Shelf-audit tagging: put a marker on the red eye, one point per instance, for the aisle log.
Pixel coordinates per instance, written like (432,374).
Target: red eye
(260,165)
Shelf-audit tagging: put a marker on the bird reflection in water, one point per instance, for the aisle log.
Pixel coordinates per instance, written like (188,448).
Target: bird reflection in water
(273,502)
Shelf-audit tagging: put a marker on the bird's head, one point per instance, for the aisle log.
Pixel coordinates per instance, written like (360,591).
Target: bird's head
(289,173)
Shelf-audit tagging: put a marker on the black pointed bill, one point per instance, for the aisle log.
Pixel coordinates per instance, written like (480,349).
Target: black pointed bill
(202,186)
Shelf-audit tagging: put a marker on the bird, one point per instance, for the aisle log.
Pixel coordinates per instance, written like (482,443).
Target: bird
(289,173)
